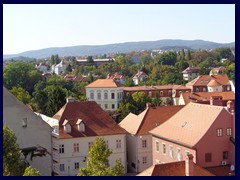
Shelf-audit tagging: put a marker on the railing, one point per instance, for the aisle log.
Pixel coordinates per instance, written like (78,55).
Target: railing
(55,144)
(56,168)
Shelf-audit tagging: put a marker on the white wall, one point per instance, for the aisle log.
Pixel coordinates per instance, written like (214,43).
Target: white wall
(69,157)
(215,89)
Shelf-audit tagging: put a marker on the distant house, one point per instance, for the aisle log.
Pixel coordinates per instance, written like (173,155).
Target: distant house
(139,77)
(207,83)
(139,141)
(33,134)
(41,67)
(107,93)
(205,131)
(116,76)
(79,124)
(168,93)
(97,62)
(182,168)
(78,78)
(217,70)
(205,97)
(191,73)
(59,68)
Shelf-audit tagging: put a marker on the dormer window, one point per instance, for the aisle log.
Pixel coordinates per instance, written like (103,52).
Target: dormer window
(67,126)
(80,125)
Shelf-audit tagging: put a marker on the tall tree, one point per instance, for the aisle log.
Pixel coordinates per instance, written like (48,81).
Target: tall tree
(98,163)
(188,55)
(90,60)
(13,164)
(21,94)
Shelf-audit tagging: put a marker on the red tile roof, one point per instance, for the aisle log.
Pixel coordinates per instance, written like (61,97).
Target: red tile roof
(97,121)
(151,88)
(148,119)
(104,83)
(205,96)
(115,75)
(139,74)
(203,80)
(174,169)
(221,170)
(190,124)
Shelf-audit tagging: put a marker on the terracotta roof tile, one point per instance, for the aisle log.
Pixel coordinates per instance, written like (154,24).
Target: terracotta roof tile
(97,121)
(104,83)
(191,69)
(173,169)
(221,170)
(205,96)
(189,125)
(141,73)
(213,83)
(203,80)
(149,88)
(148,119)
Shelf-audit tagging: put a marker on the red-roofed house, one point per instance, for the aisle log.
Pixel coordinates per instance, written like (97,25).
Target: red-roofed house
(181,168)
(217,70)
(168,93)
(139,77)
(207,83)
(205,131)
(139,141)
(117,77)
(191,73)
(105,92)
(79,125)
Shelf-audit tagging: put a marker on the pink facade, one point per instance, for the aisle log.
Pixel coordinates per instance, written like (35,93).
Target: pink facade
(213,149)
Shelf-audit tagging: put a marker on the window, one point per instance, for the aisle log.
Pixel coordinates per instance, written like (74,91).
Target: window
(106,142)
(76,165)
(105,95)
(229,131)
(99,95)
(228,88)
(91,95)
(150,93)
(179,155)
(144,143)
(187,153)
(113,106)
(169,92)
(208,157)
(76,147)
(171,152)
(164,149)
(180,92)
(161,93)
(144,160)
(113,95)
(118,95)
(61,149)
(90,144)
(157,146)
(225,155)
(204,89)
(62,168)
(24,122)
(219,132)
(118,144)
(197,89)
(158,161)
(106,106)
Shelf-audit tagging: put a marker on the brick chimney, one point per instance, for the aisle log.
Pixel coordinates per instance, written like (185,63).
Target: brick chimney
(148,105)
(189,165)
(216,101)
(70,99)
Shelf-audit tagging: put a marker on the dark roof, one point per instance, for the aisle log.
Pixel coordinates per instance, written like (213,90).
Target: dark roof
(97,121)
(221,170)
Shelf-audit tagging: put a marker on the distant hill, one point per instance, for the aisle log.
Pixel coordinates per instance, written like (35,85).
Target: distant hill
(85,50)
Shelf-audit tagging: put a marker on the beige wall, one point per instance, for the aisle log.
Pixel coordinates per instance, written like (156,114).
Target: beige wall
(109,101)
(69,157)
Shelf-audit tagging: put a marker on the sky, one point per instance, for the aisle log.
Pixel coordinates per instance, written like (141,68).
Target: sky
(34,26)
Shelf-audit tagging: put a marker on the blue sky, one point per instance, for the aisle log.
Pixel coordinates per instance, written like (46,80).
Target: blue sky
(33,27)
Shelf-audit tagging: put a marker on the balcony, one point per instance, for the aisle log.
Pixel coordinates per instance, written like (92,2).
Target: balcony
(55,132)
(55,156)
(55,144)
(56,168)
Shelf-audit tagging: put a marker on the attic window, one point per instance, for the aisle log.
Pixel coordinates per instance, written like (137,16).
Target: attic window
(67,126)
(24,122)
(80,125)
(201,81)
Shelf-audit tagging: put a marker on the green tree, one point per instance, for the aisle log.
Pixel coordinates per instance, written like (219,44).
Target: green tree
(21,74)
(30,171)
(90,60)
(98,163)
(188,55)
(21,94)
(157,101)
(69,68)
(13,163)
(129,82)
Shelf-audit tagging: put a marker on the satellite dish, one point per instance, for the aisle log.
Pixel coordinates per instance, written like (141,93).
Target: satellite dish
(232,167)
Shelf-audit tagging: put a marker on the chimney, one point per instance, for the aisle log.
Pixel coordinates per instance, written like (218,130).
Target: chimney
(148,105)
(216,101)
(70,99)
(230,106)
(189,165)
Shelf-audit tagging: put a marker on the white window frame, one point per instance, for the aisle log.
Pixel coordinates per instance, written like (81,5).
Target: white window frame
(164,149)
(105,95)
(157,146)
(76,147)
(118,144)
(219,132)
(62,167)
(99,95)
(179,154)
(61,149)
(76,165)
(144,159)
(91,94)
(144,143)
(171,151)
(229,131)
